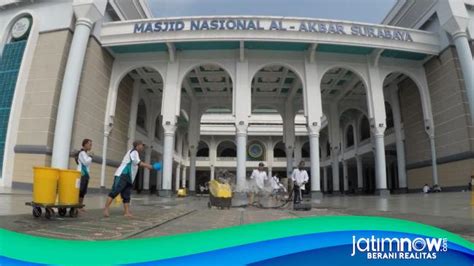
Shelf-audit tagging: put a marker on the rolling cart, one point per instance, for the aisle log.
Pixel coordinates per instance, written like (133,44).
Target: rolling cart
(49,209)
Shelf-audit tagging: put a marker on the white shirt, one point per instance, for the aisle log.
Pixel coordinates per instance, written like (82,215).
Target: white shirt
(133,157)
(84,160)
(426,189)
(274,182)
(259,177)
(299,176)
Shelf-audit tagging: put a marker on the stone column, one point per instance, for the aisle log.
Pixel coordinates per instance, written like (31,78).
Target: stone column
(183,177)
(454,18)
(170,109)
(177,176)
(334,131)
(378,125)
(380,168)
(360,177)
(325,181)
(434,165)
(241,155)
(132,123)
(289,159)
(86,16)
(345,176)
(213,173)
(314,154)
(192,169)
(242,105)
(146,173)
(168,148)
(193,140)
(401,163)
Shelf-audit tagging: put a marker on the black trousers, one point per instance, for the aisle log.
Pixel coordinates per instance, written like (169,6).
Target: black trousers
(123,187)
(297,194)
(83,186)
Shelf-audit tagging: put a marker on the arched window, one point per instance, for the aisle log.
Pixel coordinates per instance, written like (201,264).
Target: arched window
(141,115)
(203,150)
(364,128)
(305,151)
(10,63)
(279,150)
(226,149)
(349,136)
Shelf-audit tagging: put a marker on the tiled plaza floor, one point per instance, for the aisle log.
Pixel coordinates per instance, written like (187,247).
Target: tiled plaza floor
(156,216)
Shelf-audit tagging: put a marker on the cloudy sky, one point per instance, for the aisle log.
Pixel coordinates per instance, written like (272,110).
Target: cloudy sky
(372,11)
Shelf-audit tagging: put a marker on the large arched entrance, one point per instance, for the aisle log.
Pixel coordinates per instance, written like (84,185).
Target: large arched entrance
(277,96)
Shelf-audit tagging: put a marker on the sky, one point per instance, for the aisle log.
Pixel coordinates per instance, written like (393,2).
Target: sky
(370,11)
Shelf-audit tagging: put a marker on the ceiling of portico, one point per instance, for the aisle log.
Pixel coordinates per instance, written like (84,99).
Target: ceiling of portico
(212,83)
(270,83)
(206,81)
(349,116)
(149,80)
(340,83)
(276,82)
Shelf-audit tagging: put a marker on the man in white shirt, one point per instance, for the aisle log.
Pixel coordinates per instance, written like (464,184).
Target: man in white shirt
(84,160)
(299,178)
(124,177)
(257,181)
(277,187)
(426,189)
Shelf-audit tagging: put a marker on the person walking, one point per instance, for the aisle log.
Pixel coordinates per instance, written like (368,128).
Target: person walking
(124,177)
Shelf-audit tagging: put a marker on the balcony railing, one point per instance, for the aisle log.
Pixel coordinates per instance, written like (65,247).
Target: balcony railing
(226,159)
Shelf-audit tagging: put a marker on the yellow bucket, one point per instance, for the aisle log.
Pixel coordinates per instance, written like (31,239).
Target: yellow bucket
(45,182)
(118,199)
(69,184)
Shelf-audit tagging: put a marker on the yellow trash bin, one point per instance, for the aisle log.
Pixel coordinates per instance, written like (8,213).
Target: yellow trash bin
(182,192)
(69,184)
(45,182)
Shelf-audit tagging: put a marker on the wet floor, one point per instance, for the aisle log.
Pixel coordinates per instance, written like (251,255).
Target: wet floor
(156,216)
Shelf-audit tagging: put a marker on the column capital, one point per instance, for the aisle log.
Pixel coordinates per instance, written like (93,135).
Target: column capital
(192,148)
(241,127)
(378,128)
(314,128)
(453,16)
(85,21)
(459,34)
(169,128)
(379,134)
(89,10)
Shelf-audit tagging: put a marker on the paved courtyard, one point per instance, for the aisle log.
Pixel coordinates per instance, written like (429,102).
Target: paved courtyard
(155,216)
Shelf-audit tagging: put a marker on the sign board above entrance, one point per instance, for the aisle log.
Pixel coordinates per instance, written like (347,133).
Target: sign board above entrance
(268,30)
(239,24)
